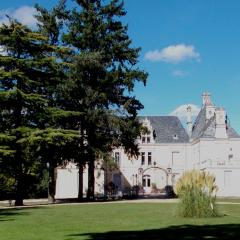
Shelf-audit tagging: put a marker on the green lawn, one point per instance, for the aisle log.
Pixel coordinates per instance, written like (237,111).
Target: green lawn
(135,221)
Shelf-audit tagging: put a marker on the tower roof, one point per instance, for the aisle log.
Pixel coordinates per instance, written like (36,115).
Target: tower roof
(204,128)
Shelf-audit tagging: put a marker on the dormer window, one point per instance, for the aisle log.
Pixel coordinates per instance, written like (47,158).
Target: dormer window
(175,137)
(154,134)
(150,135)
(146,139)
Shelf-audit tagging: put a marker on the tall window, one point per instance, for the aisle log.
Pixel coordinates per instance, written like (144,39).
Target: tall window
(228,178)
(176,161)
(117,158)
(146,182)
(149,158)
(143,158)
(146,138)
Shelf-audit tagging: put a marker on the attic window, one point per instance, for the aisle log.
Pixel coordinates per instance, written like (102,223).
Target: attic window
(154,134)
(175,137)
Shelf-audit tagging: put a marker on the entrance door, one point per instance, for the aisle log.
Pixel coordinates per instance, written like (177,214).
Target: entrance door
(117,181)
(146,182)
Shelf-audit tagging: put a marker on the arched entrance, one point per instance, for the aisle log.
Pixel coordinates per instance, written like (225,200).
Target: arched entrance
(153,179)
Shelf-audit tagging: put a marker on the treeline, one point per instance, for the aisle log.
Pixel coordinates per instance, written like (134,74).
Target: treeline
(66,93)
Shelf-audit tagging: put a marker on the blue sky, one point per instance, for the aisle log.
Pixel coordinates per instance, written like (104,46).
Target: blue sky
(188,47)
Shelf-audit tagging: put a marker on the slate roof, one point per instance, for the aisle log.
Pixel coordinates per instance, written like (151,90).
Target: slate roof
(166,127)
(206,128)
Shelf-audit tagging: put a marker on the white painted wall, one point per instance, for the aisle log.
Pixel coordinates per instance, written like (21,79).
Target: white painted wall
(67,182)
(220,157)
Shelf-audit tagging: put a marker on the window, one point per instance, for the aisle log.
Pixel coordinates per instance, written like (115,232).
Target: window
(228,179)
(175,137)
(146,182)
(149,158)
(117,158)
(146,139)
(176,161)
(143,158)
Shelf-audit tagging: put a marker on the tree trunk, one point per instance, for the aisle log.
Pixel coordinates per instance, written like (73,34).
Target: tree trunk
(80,182)
(91,180)
(19,191)
(18,157)
(51,184)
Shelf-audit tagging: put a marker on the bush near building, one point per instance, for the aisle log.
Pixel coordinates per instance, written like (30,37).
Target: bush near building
(197,192)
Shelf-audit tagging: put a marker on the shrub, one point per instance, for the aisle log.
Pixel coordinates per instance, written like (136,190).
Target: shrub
(197,192)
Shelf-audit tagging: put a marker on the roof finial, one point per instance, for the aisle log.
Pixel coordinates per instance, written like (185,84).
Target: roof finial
(206,97)
(189,120)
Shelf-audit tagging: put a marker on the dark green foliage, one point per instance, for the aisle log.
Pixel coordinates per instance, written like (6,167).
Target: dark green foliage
(30,70)
(66,103)
(102,79)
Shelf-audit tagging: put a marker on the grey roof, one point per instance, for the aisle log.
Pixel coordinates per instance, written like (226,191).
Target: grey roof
(166,127)
(199,124)
(206,128)
(232,133)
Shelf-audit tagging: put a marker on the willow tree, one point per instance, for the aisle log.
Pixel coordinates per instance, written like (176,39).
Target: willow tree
(29,73)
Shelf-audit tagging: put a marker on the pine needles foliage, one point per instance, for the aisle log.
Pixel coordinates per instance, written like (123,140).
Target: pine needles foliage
(31,69)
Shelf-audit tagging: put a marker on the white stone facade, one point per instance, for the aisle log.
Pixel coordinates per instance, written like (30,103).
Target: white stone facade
(210,144)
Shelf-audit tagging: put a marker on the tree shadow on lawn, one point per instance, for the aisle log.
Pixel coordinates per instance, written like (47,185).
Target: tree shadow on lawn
(182,232)
(12,213)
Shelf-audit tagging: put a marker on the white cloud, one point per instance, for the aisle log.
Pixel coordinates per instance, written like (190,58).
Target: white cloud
(173,54)
(181,112)
(24,14)
(180,73)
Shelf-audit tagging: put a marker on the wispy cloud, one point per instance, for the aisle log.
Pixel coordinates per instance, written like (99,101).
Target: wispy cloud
(173,54)
(24,14)
(180,73)
(181,111)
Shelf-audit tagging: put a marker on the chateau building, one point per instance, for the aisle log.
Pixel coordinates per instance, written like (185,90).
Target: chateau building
(166,151)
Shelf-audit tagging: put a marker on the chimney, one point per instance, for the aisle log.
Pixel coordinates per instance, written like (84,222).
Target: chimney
(189,120)
(221,130)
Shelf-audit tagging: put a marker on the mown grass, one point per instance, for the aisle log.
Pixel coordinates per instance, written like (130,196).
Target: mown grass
(115,221)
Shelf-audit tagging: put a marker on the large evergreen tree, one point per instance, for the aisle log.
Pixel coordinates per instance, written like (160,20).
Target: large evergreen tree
(30,70)
(102,80)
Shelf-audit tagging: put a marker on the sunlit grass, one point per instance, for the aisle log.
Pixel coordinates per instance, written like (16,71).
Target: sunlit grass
(83,221)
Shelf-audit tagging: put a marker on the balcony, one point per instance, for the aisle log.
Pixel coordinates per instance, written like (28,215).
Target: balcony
(219,163)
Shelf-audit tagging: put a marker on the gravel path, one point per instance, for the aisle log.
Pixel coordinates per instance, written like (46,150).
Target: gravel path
(44,203)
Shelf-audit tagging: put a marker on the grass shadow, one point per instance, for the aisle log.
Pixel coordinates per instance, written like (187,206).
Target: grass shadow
(182,232)
(10,214)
